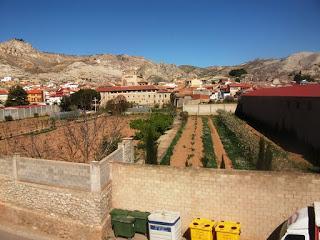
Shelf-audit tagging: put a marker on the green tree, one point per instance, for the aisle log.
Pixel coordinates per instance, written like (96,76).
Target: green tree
(299,77)
(118,105)
(65,104)
(151,147)
(222,165)
(261,154)
(17,96)
(268,158)
(237,72)
(238,80)
(84,98)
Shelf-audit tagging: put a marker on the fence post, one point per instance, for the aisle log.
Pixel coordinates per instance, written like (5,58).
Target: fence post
(95,176)
(127,150)
(15,157)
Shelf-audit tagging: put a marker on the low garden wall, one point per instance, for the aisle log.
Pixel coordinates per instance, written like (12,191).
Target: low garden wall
(208,109)
(59,199)
(260,201)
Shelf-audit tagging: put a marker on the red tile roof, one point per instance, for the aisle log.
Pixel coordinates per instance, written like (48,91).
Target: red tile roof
(3,92)
(240,85)
(200,96)
(127,88)
(35,91)
(310,90)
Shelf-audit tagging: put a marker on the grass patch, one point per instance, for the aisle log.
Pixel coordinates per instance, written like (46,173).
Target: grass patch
(233,146)
(209,158)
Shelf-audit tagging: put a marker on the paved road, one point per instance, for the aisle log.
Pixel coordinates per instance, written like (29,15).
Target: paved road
(9,236)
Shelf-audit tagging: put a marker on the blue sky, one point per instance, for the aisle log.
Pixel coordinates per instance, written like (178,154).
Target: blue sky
(199,32)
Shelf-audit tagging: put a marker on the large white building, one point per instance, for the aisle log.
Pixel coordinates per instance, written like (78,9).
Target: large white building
(148,95)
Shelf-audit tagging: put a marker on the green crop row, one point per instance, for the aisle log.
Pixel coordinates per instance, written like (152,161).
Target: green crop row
(232,145)
(208,159)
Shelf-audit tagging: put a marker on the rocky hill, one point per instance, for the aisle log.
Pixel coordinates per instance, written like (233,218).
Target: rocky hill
(20,60)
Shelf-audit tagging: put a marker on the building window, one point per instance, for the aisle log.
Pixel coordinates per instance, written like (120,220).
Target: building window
(309,106)
(297,105)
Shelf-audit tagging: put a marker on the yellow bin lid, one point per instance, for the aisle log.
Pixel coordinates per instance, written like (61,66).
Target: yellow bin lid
(228,227)
(202,223)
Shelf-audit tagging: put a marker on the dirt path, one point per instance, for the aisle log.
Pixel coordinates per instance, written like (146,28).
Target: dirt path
(165,140)
(218,147)
(188,150)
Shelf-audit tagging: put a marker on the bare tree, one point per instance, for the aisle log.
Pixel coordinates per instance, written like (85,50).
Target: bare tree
(83,141)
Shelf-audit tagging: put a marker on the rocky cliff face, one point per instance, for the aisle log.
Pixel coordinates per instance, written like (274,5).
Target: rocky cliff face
(20,59)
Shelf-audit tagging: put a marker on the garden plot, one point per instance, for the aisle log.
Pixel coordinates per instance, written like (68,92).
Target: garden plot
(189,149)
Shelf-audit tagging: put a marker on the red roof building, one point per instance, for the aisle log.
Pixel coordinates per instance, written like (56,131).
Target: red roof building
(293,109)
(310,90)
(128,88)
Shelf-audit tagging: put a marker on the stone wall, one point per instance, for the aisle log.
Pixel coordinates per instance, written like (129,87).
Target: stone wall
(208,109)
(59,199)
(58,212)
(259,200)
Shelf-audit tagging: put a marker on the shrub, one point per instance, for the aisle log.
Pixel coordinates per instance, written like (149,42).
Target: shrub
(184,116)
(149,130)
(36,115)
(151,147)
(8,118)
(249,142)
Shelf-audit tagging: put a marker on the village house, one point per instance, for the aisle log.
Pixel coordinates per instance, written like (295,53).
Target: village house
(3,96)
(132,78)
(235,88)
(148,95)
(35,96)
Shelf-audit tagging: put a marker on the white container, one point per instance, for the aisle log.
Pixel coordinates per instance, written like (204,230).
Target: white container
(164,225)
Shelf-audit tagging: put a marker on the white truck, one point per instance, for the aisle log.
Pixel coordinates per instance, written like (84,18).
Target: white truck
(303,225)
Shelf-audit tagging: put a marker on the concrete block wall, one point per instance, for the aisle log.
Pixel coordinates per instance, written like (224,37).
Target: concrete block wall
(6,166)
(56,173)
(87,177)
(260,201)
(208,109)
(29,112)
(60,199)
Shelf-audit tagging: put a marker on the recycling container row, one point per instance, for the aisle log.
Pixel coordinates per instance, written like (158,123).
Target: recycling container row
(126,223)
(160,225)
(205,229)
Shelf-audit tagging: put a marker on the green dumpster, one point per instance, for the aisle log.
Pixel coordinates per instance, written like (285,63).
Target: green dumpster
(141,223)
(117,212)
(123,226)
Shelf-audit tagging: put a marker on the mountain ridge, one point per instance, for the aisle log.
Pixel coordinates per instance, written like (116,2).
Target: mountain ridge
(21,60)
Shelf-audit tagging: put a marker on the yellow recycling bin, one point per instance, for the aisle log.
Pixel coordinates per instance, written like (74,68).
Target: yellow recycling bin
(228,230)
(202,229)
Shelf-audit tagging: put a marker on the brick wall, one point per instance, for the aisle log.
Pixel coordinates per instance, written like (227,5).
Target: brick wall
(259,200)
(208,109)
